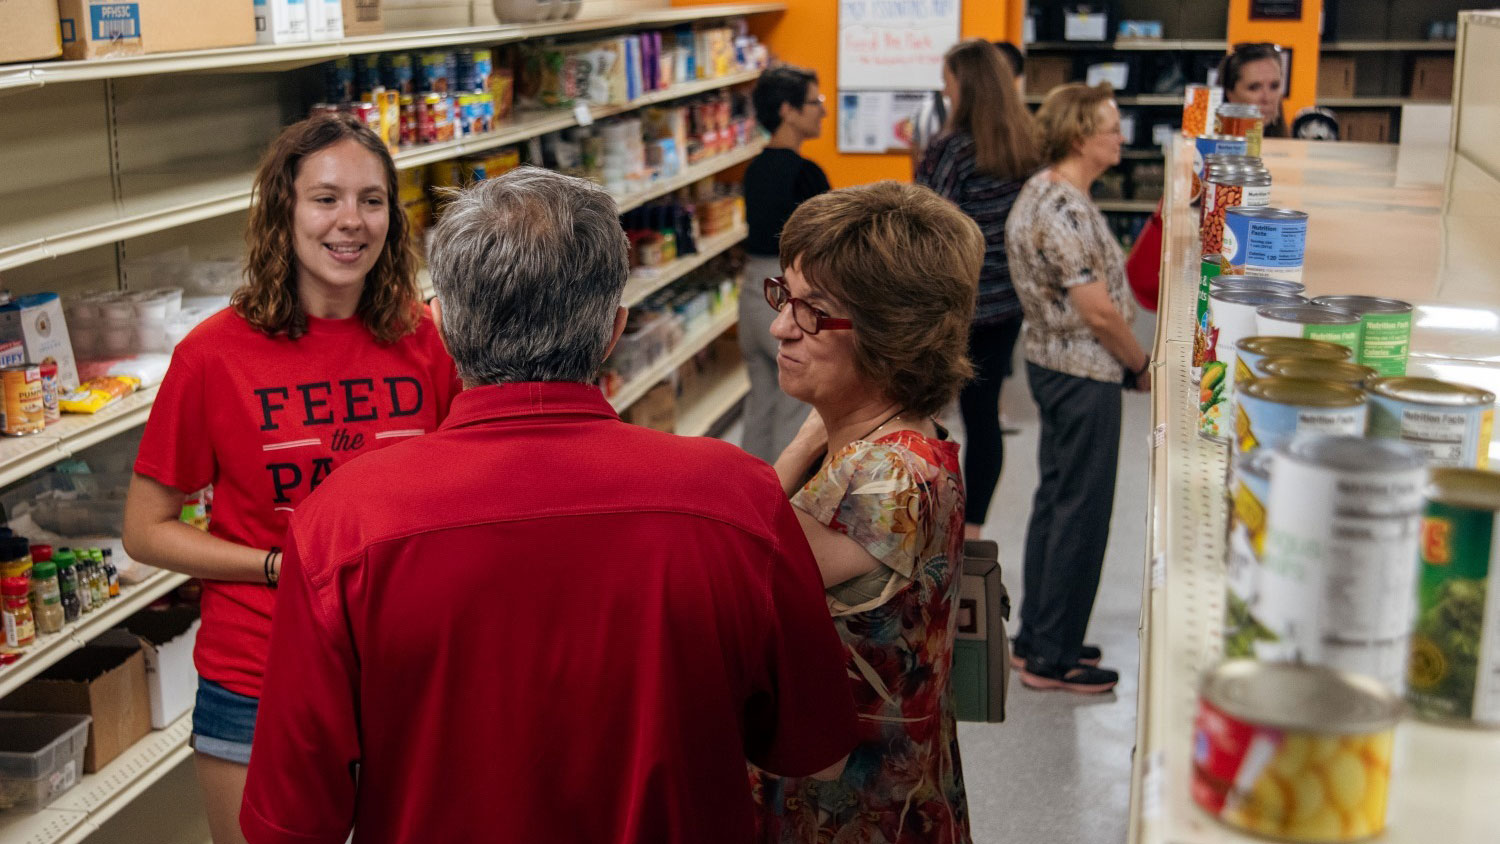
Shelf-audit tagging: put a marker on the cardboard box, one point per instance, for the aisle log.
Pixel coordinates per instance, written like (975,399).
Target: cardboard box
(656,410)
(325,20)
(363,17)
(1432,78)
(281,21)
(1336,76)
(1366,126)
(36,321)
(29,31)
(167,638)
(93,29)
(104,681)
(1043,73)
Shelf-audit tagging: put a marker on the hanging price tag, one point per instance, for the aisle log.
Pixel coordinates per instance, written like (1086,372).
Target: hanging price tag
(1159,436)
(1158,571)
(582,114)
(1153,777)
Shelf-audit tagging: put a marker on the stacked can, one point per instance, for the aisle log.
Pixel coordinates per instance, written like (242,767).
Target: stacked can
(1385,339)
(1242,120)
(1230,317)
(1449,424)
(1342,526)
(1251,352)
(1199,105)
(1314,322)
(1338,371)
(1204,335)
(1206,147)
(1265,241)
(1272,411)
(1227,186)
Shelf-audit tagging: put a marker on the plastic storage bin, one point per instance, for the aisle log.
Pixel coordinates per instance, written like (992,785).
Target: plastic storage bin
(41,756)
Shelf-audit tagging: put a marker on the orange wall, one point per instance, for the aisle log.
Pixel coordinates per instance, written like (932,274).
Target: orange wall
(1301,36)
(806,34)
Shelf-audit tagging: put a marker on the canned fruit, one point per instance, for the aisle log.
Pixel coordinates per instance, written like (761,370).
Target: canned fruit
(1271,411)
(1450,424)
(1454,672)
(1342,371)
(1265,241)
(1250,351)
(1386,339)
(1293,752)
(1342,527)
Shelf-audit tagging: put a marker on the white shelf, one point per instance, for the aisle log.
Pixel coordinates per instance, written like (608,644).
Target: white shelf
(50,648)
(1374,102)
(277,57)
(35,227)
(1387,46)
(644,282)
(79,812)
(1127,206)
(1130,44)
(689,175)
(709,404)
(1443,780)
(20,456)
(691,344)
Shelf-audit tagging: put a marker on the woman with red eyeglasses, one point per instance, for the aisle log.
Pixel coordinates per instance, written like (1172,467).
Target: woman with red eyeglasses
(872,326)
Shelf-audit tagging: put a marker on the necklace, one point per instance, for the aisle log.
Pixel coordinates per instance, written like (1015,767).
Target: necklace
(888,420)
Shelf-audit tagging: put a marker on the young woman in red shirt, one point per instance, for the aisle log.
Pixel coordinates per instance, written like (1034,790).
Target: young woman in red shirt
(325,353)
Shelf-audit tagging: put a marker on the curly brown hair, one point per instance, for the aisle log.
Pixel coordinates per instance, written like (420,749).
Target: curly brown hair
(905,264)
(390,305)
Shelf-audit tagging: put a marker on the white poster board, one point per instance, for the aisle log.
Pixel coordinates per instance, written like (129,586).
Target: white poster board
(895,45)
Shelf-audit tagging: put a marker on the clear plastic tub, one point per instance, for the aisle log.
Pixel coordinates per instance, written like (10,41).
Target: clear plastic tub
(41,756)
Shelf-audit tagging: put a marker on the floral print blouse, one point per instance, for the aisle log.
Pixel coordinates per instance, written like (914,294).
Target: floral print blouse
(901,498)
(1058,239)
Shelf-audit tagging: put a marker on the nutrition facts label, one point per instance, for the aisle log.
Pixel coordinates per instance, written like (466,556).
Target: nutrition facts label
(1438,435)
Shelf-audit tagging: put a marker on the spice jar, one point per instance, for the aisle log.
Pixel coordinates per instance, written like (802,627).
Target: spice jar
(46,598)
(15,557)
(111,573)
(98,583)
(67,585)
(15,607)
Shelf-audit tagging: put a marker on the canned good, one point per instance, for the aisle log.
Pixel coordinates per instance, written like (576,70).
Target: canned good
(1342,529)
(1294,752)
(1270,411)
(21,386)
(1387,330)
(1251,351)
(1265,285)
(1313,322)
(409,121)
(51,393)
(1455,648)
(1208,283)
(1225,189)
(1209,145)
(1200,102)
(1249,490)
(1230,317)
(1450,424)
(368,114)
(1265,241)
(1341,371)
(1244,120)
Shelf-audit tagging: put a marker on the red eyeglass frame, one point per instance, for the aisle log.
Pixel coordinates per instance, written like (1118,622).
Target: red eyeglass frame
(824,321)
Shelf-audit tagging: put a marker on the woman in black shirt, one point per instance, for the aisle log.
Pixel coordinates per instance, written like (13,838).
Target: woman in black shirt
(788,104)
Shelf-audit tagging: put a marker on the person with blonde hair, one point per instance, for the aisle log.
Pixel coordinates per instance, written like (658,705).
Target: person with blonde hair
(872,318)
(979,162)
(1069,273)
(325,353)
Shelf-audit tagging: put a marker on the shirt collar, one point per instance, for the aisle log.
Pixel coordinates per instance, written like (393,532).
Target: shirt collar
(501,402)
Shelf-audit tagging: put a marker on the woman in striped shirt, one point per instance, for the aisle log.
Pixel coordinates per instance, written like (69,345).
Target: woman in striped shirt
(980,161)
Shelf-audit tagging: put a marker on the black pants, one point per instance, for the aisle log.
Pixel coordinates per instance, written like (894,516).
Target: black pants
(1077,457)
(990,348)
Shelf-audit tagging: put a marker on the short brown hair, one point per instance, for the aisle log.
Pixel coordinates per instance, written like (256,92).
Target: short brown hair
(1068,115)
(390,305)
(905,264)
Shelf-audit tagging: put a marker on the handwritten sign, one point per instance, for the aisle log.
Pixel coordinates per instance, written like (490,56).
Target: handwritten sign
(895,45)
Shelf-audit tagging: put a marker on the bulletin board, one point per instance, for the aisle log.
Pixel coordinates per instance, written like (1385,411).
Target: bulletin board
(890,54)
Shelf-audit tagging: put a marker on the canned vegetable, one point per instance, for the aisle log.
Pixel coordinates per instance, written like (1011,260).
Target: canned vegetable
(1314,322)
(1211,145)
(1249,490)
(1271,411)
(1224,190)
(1229,317)
(1244,120)
(1450,424)
(1342,371)
(1387,330)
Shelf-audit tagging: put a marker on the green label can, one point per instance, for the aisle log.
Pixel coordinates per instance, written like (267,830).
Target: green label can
(1213,267)
(1312,322)
(1386,341)
(1454,672)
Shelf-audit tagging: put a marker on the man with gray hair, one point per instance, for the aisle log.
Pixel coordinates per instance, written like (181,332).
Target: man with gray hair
(539,623)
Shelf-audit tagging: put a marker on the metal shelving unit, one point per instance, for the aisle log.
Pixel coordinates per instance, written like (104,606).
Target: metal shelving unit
(691,344)
(1206,45)
(1443,778)
(273,58)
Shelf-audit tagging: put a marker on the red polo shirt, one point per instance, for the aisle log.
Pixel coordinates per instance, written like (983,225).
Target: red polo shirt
(540,624)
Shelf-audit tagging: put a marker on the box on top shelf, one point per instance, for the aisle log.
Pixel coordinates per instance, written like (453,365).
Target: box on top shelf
(281,21)
(104,681)
(30,31)
(94,29)
(1336,76)
(363,17)
(325,20)
(1367,126)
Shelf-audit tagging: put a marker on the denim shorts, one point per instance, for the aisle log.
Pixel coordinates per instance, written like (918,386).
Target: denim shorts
(223,723)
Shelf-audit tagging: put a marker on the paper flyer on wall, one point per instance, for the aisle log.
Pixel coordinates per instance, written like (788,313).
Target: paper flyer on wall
(878,121)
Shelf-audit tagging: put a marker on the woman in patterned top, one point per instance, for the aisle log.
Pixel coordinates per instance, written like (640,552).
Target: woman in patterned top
(980,161)
(873,320)
(1070,275)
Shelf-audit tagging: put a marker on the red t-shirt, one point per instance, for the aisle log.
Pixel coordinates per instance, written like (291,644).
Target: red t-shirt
(265,420)
(549,626)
